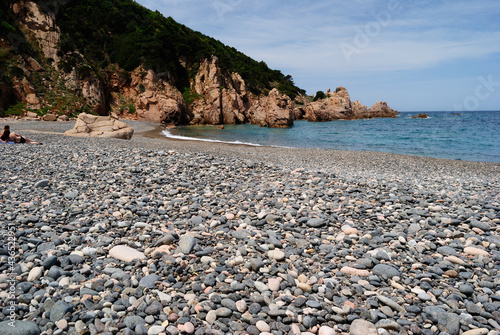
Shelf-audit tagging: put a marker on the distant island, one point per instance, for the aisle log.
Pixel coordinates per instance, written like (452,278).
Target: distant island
(116,57)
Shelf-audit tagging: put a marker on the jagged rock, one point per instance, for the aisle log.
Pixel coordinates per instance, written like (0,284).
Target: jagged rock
(225,99)
(215,97)
(42,24)
(274,111)
(380,109)
(100,126)
(420,116)
(154,99)
(336,105)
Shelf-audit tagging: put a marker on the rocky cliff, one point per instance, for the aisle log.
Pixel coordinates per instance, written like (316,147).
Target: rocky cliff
(337,105)
(56,79)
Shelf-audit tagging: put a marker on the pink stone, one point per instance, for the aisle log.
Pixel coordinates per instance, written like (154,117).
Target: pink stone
(354,272)
(126,253)
(351,231)
(274,284)
(189,328)
(475,251)
(164,249)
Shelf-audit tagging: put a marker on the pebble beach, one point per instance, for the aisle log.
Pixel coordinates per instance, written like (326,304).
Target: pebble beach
(160,236)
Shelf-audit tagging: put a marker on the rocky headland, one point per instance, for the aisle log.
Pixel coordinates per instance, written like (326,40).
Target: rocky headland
(155,236)
(51,80)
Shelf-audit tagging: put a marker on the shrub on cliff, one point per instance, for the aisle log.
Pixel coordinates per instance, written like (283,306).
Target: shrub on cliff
(126,33)
(319,95)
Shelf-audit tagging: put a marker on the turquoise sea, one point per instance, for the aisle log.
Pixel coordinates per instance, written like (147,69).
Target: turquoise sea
(471,136)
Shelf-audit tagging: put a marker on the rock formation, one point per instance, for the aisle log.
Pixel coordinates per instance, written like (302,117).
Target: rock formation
(100,126)
(42,24)
(213,96)
(380,109)
(273,111)
(337,105)
(225,100)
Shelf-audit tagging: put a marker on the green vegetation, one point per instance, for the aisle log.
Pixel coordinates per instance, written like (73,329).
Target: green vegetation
(17,109)
(126,104)
(124,32)
(189,96)
(319,95)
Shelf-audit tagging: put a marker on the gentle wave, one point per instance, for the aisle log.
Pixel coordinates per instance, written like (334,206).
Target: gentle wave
(186,138)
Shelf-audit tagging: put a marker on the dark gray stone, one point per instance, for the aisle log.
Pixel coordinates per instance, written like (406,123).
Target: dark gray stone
(385,271)
(59,309)
(149,280)
(18,327)
(186,244)
(315,223)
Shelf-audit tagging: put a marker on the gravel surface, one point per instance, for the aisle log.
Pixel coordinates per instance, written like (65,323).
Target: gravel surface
(157,236)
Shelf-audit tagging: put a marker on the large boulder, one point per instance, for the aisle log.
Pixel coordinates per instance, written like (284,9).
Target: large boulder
(100,126)
(381,109)
(274,110)
(336,105)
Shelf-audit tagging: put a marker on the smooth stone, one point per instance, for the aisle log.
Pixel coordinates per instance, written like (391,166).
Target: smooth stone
(447,251)
(149,280)
(466,289)
(60,309)
(261,287)
(126,253)
(42,183)
(478,331)
(354,272)
(424,296)
(62,324)
(276,254)
(35,273)
(211,317)
(391,303)
(223,312)
(189,328)
(385,271)
(325,330)
(71,194)
(18,327)
(450,323)
(362,327)
(262,326)
(186,244)
(304,287)
(241,306)
(388,324)
(350,231)
(273,284)
(132,321)
(454,260)
(315,223)
(475,251)
(155,330)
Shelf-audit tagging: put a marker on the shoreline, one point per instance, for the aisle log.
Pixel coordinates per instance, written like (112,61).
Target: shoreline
(149,135)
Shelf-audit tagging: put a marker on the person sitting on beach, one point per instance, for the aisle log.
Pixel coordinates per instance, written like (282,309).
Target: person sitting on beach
(8,136)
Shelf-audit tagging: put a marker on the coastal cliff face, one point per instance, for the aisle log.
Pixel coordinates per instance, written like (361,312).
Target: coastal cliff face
(59,82)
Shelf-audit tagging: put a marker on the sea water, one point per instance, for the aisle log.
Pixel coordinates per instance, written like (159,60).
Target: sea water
(471,136)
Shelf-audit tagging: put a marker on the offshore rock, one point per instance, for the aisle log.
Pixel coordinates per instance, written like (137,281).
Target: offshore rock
(338,106)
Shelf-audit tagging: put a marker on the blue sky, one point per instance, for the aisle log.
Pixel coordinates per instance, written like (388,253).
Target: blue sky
(418,55)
